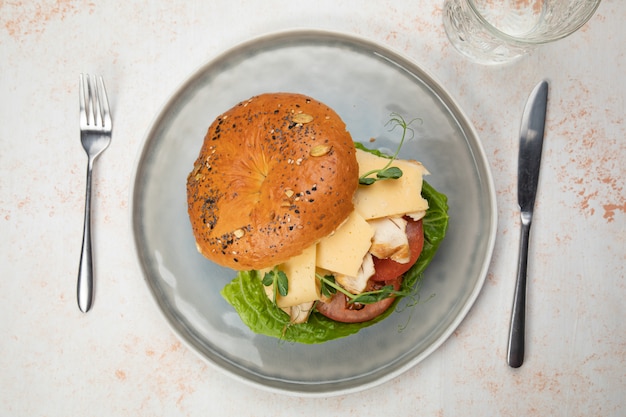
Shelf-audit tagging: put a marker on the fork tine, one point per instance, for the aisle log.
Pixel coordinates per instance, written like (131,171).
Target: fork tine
(81,93)
(97,116)
(90,102)
(104,105)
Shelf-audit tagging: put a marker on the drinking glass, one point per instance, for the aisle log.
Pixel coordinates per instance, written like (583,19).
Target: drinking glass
(499,31)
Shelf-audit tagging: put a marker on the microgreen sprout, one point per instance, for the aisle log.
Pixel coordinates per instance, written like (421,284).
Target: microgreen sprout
(388,172)
(329,287)
(279,280)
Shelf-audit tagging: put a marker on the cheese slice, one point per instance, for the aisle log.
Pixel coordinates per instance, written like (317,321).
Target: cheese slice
(393,197)
(343,251)
(303,287)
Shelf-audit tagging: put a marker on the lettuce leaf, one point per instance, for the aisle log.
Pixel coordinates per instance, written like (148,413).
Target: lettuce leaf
(246,294)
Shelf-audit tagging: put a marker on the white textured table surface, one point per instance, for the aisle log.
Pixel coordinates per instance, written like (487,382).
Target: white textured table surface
(121,359)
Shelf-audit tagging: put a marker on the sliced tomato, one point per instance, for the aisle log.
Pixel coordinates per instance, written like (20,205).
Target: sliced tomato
(339,309)
(388,272)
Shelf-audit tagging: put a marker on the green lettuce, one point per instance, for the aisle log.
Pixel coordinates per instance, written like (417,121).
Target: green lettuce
(247,295)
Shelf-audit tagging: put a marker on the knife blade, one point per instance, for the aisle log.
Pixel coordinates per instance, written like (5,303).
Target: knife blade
(529,162)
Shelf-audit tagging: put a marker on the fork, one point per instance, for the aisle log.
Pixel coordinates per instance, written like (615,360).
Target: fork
(95,136)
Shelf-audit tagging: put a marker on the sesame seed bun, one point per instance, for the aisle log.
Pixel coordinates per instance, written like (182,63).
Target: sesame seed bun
(276,173)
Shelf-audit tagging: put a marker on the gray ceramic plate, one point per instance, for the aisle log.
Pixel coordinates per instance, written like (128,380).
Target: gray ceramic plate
(364,83)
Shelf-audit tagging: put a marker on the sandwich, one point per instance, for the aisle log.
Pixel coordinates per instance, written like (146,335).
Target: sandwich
(325,235)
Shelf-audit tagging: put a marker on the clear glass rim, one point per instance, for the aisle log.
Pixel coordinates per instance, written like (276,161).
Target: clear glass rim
(530,41)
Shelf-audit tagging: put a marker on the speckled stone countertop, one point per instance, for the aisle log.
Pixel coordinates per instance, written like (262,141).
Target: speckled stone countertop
(121,359)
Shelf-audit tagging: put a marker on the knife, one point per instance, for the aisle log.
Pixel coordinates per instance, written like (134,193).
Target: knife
(530,146)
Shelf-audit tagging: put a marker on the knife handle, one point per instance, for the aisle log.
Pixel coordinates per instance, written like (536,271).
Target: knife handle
(515,353)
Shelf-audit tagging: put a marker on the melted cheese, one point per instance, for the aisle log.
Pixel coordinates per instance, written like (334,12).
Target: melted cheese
(394,197)
(343,251)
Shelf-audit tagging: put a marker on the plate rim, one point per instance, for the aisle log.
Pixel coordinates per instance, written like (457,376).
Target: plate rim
(386,52)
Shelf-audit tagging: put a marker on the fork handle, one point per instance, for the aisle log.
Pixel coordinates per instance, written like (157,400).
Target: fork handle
(84,286)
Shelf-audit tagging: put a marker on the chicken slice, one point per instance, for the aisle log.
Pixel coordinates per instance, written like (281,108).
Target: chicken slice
(356,285)
(390,239)
(300,313)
